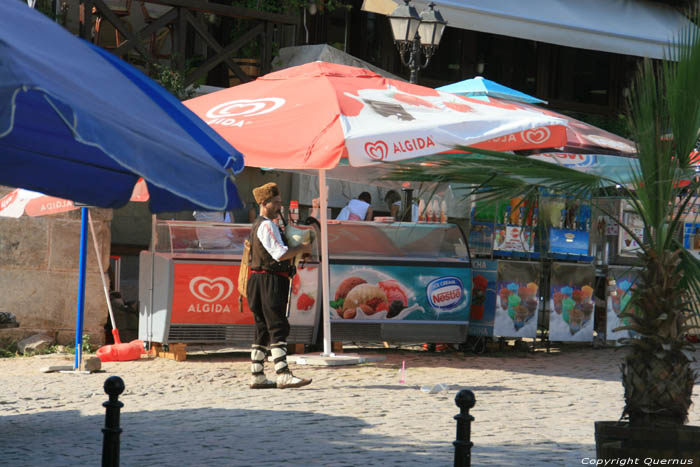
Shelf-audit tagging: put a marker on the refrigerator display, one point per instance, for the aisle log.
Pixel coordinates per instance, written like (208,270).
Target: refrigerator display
(188,287)
(399,282)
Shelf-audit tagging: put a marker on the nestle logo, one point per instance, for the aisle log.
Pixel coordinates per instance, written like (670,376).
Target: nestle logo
(445,293)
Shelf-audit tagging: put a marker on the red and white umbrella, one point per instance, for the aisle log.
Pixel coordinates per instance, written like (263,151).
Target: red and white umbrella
(313,115)
(21,202)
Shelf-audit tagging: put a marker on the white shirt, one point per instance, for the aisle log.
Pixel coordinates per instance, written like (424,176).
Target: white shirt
(356,210)
(270,237)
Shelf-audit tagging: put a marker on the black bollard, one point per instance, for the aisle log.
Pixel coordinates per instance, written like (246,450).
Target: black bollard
(465,400)
(114,386)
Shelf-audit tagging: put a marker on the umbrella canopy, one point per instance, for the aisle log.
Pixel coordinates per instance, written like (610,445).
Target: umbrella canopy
(480,86)
(618,169)
(581,137)
(587,148)
(79,123)
(32,203)
(312,115)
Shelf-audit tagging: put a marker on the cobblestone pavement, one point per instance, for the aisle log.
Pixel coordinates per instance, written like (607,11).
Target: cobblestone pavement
(533,409)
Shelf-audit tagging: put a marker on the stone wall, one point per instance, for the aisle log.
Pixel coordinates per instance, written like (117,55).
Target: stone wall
(39,260)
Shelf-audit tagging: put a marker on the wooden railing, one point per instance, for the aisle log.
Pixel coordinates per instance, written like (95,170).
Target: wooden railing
(189,15)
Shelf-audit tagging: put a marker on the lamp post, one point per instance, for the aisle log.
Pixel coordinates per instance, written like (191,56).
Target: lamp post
(417,36)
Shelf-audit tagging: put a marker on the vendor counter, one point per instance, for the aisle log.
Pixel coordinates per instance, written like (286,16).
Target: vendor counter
(188,287)
(394,282)
(399,282)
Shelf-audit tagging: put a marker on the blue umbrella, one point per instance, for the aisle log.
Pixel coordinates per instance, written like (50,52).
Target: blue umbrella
(78,123)
(479,86)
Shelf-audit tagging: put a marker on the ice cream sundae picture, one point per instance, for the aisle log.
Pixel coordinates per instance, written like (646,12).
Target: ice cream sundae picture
(620,300)
(520,301)
(355,298)
(573,305)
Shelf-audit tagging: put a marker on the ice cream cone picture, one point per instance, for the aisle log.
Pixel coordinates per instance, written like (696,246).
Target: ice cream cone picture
(513,301)
(558,297)
(567,305)
(587,292)
(520,317)
(575,320)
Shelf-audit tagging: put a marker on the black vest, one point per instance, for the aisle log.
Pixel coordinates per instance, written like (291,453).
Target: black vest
(260,258)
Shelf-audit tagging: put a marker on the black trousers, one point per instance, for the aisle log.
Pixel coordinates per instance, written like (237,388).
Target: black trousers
(267,299)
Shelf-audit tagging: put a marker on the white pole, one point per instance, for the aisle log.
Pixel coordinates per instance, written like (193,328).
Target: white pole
(325,270)
(102,273)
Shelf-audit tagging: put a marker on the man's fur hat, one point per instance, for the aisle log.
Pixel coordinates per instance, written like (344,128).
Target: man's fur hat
(265,192)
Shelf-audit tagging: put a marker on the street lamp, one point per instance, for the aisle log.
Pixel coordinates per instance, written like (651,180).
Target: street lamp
(416,34)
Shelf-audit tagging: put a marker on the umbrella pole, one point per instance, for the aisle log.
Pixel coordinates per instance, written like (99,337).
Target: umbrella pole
(81,289)
(115,332)
(325,273)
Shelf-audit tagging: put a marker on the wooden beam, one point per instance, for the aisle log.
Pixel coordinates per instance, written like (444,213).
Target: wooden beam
(211,41)
(144,33)
(124,29)
(86,19)
(223,54)
(181,41)
(229,11)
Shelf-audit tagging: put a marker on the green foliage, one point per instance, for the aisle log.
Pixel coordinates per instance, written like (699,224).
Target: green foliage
(664,119)
(172,80)
(87,347)
(9,351)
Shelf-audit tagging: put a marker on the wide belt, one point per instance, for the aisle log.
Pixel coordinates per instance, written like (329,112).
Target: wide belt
(262,271)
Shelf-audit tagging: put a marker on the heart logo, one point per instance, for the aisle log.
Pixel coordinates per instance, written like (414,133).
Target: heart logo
(211,290)
(536,135)
(377,150)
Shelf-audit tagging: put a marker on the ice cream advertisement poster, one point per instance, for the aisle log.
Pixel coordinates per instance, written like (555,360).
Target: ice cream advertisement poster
(517,299)
(619,295)
(303,304)
(399,293)
(571,303)
(483,304)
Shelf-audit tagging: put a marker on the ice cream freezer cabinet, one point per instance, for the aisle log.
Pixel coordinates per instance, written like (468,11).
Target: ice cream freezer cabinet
(399,282)
(188,287)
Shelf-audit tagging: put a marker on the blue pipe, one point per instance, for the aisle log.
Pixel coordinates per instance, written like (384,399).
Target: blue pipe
(81,287)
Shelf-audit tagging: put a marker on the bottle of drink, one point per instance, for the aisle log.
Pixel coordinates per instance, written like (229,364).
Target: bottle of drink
(421,211)
(443,212)
(436,211)
(294,212)
(506,219)
(429,212)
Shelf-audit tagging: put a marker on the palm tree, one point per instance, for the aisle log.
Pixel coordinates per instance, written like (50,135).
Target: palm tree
(664,116)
